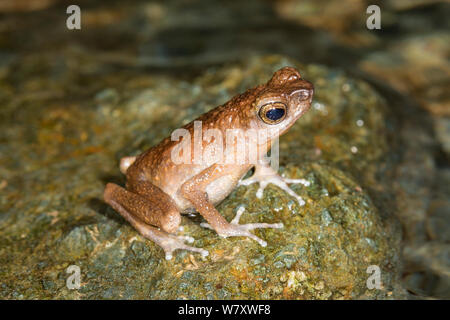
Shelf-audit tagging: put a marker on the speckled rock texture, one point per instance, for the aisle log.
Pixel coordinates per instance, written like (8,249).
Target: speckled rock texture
(53,215)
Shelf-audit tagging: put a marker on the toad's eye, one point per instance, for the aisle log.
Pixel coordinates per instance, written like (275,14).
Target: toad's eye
(272,113)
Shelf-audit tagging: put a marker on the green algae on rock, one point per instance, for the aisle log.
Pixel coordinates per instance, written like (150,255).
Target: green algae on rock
(53,216)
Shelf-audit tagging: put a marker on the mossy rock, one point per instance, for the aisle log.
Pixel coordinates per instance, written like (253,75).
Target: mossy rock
(52,215)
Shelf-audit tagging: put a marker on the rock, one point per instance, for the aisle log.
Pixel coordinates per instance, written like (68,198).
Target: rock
(428,265)
(427,82)
(76,244)
(442,129)
(323,251)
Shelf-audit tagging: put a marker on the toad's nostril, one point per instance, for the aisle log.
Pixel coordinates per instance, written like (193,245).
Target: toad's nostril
(304,94)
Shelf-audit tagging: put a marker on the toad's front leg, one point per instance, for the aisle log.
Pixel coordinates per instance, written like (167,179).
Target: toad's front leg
(195,191)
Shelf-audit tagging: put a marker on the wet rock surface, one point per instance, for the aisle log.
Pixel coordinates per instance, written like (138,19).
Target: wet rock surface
(374,147)
(323,251)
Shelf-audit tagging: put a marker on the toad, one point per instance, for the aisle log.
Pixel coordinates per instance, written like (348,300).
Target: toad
(159,188)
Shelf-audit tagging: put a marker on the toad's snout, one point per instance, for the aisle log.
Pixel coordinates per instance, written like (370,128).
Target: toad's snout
(301,96)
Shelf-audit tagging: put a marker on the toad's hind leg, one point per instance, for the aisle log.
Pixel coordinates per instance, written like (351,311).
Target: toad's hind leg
(144,211)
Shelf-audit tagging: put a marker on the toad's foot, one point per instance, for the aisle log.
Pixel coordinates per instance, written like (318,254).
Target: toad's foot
(265,175)
(234,229)
(169,243)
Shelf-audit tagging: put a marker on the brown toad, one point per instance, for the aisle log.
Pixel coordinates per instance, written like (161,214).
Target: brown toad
(159,189)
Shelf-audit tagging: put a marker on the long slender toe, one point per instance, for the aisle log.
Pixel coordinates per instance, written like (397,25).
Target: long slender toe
(234,229)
